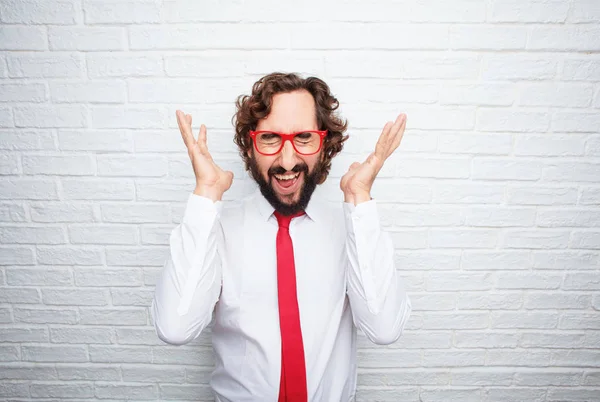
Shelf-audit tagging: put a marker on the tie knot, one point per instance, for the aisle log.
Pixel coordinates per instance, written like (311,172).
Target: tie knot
(284,220)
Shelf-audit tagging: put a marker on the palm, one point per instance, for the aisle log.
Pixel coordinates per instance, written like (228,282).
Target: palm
(209,176)
(360,176)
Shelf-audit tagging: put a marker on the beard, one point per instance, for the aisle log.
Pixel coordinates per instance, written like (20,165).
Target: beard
(266,187)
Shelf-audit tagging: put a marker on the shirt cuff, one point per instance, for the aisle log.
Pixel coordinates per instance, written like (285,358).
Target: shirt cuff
(363,216)
(201,211)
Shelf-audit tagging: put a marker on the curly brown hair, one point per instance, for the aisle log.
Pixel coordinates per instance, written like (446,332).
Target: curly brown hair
(252,108)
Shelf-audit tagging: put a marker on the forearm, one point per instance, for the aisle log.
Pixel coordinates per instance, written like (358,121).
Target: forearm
(190,283)
(380,304)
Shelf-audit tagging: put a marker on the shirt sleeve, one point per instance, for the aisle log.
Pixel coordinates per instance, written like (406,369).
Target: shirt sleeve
(380,305)
(190,283)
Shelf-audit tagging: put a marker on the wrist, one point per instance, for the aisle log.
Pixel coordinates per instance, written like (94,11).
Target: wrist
(209,193)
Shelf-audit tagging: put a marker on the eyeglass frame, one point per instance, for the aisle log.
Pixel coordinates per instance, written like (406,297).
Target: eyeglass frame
(286,137)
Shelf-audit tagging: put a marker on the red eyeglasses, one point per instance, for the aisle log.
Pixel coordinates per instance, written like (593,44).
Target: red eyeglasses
(304,142)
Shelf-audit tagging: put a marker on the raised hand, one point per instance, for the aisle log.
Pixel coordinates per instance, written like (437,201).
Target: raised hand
(211,180)
(357,182)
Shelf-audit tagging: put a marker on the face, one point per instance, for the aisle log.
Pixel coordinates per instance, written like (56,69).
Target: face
(287,179)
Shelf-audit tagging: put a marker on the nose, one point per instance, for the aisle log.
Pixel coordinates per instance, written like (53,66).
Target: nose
(288,157)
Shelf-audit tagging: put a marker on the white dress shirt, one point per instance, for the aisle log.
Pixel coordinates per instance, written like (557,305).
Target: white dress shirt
(223,260)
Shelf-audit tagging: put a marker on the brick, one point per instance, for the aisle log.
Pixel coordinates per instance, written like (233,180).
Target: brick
(88,92)
(481,37)
(453,281)
(69,256)
(217,64)
(117,12)
(96,373)
(25,92)
(563,394)
(409,394)
(50,116)
(23,371)
(549,145)
(12,213)
(568,218)
(179,356)
(49,212)
(409,239)
(575,358)
(12,295)
(14,390)
(103,234)
(467,193)
(128,117)
(62,354)
(575,122)
(139,166)
(584,11)
(541,195)
(508,120)
(182,91)
(482,94)
(101,65)
(565,37)
(427,216)
(5,315)
(135,213)
(474,238)
(513,394)
(517,67)
(517,358)
(95,140)
(142,256)
(21,334)
(585,240)
(98,189)
(520,320)
(16,256)
(38,276)
(449,394)
(579,320)
(156,235)
(45,315)
(44,65)
(433,301)
(358,36)
(214,36)
(9,353)
(493,260)
(118,354)
(72,165)
(81,335)
(163,190)
(427,260)
(582,281)
(540,11)
(535,239)
(105,277)
(490,301)
(473,320)
(91,316)
(9,164)
(556,301)
(75,297)
(551,340)
(22,38)
(26,140)
(484,377)
(62,390)
(186,392)
(559,95)
(499,217)
(132,297)
(388,378)
(592,146)
(434,168)
(87,38)
(41,12)
(581,70)
(590,196)
(138,373)
(412,66)
(519,280)
(485,339)
(6,117)
(129,391)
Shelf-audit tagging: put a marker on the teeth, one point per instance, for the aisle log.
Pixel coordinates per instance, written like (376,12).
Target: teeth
(286,177)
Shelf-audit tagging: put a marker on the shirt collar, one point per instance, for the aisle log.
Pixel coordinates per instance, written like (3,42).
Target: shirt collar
(315,209)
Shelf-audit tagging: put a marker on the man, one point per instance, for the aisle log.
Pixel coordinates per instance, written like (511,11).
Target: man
(288,278)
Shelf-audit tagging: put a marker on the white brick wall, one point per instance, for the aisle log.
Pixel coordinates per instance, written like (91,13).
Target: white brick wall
(493,200)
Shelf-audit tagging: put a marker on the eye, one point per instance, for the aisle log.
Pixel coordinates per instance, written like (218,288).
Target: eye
(268,137)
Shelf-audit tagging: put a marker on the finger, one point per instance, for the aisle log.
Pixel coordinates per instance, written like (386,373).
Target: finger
(185,128)
(381,146)
(397,135)
(354,166)
(202,139)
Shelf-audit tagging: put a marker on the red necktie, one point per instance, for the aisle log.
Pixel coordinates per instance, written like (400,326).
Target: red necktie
(292,387)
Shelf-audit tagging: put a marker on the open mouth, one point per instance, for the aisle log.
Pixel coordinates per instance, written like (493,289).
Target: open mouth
(287,183)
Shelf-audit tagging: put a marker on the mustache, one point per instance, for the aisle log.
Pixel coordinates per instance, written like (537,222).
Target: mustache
(303,167)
